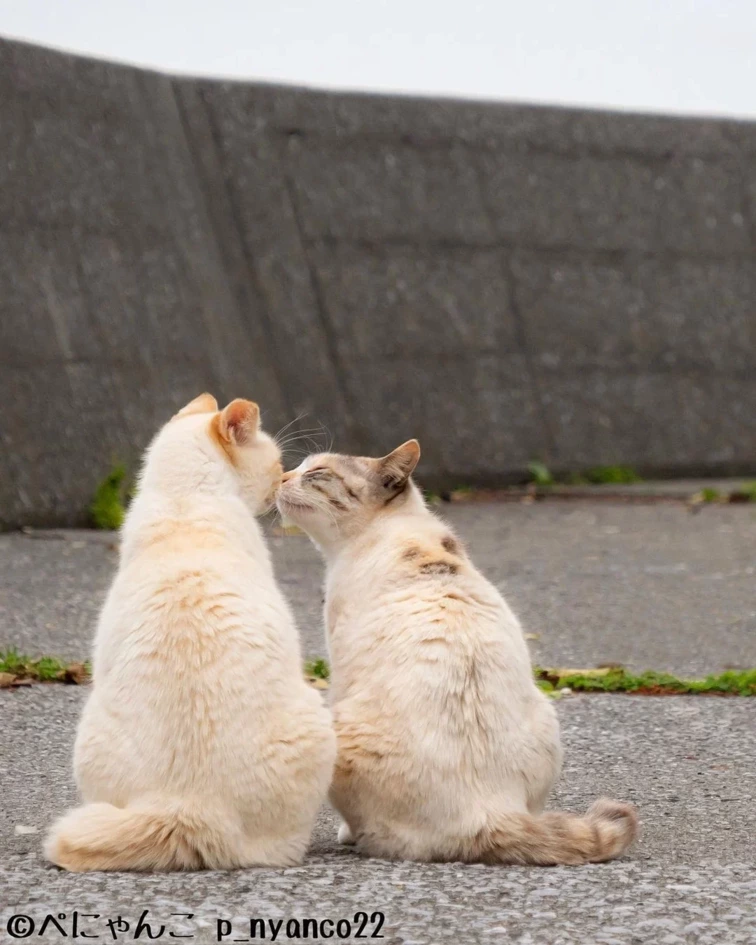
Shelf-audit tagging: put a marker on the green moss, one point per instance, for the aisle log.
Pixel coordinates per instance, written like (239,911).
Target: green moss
(107,509)
(612,475)
(317,668)
(710,494)
(618,679)
(46,668)
(11,662)
(540,474)
(43,669)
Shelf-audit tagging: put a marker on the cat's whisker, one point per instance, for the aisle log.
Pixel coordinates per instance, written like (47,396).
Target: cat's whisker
(303,430)
(317,429)
(286,426)
(299,436)
(297,450)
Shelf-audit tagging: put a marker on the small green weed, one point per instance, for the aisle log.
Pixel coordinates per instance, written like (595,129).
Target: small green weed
(612,475)
(540,474)
(709,494)
(317,668)
(107,509)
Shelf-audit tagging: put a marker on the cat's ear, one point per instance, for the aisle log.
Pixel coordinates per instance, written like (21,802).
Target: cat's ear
(239,422)
(396,468)
(205,403)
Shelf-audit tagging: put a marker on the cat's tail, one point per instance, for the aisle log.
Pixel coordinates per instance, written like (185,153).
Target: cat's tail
(557,838)
(162,834)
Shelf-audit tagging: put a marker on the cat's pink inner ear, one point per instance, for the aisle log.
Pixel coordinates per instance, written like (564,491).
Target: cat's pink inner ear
(205,403)
(400,463)
(240,421)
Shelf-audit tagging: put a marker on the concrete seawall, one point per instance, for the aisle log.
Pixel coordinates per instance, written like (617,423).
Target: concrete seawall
(505,282)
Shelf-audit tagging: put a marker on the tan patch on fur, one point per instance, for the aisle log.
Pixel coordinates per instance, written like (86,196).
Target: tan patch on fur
(450,544)
(362,748)
(412,553)
(357,754)
(428,560)
(170,536)
(439,567)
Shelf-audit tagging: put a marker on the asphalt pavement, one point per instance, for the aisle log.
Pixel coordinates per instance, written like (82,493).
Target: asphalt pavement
(652,586)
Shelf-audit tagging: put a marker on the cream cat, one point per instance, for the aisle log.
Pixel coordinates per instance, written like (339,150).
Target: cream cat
(446,748)
(200,745)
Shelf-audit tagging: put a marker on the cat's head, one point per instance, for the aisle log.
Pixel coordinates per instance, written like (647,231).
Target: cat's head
(332,496)
(204,450)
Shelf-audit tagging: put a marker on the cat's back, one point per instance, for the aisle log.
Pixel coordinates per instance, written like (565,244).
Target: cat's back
(411,596)
(414,566)
(184,588)
(428,655)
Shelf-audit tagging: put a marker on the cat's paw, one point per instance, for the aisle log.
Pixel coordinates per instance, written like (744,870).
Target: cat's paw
(345,834)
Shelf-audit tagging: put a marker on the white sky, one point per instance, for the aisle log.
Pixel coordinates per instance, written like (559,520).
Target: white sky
(687,56)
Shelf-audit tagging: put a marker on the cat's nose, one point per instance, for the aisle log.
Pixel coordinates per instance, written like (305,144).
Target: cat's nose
(289,475)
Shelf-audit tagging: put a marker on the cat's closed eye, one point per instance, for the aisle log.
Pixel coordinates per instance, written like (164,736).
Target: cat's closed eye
(319,472)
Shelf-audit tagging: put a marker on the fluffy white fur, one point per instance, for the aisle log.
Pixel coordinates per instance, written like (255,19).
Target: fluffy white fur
(446,748)
(200,745)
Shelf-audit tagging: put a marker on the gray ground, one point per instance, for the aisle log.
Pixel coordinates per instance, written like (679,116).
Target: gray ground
(647,585)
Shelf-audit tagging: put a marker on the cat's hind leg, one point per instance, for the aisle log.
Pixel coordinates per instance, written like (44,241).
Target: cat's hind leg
(288,850)
(103,762)
(544,760)
(345,796)
(345,834)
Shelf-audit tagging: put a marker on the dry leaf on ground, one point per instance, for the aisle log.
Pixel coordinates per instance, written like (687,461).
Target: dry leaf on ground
(75,673)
